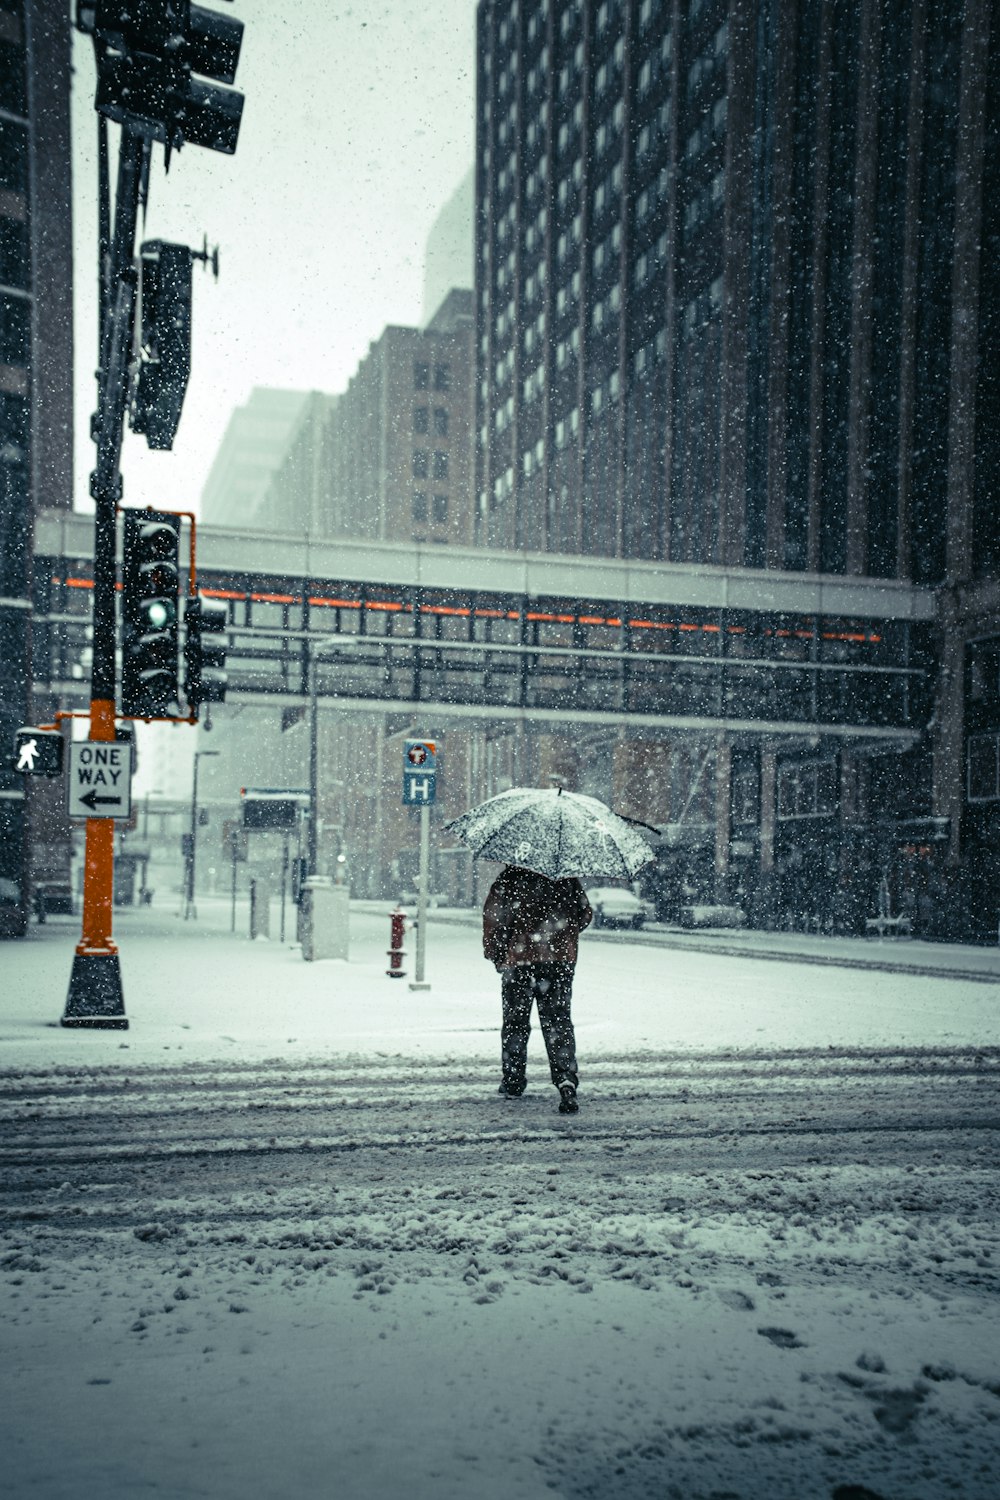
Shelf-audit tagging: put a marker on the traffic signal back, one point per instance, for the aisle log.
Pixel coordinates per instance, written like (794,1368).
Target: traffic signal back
(148,52)
(205,646)
(164,341)
(150,586)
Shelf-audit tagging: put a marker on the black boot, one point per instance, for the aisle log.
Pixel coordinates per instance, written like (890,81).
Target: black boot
(567,1098)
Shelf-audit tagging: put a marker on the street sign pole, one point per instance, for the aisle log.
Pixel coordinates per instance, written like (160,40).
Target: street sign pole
(232,849)
(420,789)
(95,997)
(418,982)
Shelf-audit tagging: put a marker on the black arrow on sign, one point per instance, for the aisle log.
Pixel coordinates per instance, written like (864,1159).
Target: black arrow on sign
(92,800)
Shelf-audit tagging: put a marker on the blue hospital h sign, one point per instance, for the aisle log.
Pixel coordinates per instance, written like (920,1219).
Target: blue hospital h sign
(419,788)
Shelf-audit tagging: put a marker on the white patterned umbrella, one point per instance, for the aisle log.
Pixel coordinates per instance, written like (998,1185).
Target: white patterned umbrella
(554,833)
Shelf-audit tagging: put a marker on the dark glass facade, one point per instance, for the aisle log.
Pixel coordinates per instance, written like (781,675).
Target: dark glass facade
(15,451)
(715,257)
(35,378)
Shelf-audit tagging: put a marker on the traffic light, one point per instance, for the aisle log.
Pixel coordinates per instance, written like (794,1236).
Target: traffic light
(205,679)
(38,752)
(150,583)
(148,53)
(164,341)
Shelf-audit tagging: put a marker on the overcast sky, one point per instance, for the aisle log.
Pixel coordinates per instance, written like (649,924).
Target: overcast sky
(357,128)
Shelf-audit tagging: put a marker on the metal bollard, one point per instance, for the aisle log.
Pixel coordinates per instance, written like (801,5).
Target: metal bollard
(397,927)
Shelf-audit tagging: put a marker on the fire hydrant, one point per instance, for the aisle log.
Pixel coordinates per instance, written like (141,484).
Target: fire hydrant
(397,927)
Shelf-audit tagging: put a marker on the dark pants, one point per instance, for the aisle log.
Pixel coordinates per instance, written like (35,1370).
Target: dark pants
(550,987)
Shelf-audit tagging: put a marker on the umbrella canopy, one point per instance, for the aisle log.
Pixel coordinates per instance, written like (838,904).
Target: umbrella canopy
(554,833)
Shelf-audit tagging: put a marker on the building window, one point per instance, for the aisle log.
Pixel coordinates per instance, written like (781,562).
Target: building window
(442,377)
(441,421)
(807,789)
(440,465)
(15,331)
(13,157)
(745,794)
(420,419)
(421,374)
(420,463)
(419,505)
(984,768)
(440,509)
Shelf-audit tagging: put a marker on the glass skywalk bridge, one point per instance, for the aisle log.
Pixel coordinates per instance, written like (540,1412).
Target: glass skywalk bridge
(544,636)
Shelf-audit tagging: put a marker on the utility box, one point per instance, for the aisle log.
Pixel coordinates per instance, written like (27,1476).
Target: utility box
(324,918)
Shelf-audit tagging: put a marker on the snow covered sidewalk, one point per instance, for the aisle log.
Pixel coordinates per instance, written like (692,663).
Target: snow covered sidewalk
(193,993)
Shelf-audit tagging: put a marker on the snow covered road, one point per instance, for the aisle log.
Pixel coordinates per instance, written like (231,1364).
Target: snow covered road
(330,1261)
(790,1265)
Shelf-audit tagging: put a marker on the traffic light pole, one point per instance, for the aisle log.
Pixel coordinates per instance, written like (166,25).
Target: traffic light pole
(95,996)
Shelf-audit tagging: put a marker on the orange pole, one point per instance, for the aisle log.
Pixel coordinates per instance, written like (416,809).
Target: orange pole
(99,860)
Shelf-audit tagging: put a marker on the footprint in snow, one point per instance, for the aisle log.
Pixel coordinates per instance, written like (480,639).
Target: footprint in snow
(783,1338)
(738,1301)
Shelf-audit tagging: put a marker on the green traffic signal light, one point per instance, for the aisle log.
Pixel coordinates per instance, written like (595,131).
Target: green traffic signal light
(158,614)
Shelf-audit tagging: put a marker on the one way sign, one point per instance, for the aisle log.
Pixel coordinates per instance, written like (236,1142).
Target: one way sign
(100,779)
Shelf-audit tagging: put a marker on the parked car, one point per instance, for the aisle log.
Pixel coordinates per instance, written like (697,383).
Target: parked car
(615,907)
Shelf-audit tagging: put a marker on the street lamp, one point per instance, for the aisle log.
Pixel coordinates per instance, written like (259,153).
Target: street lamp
(150,792)
(190,909)
(155,791)
(315,654)
(324,909)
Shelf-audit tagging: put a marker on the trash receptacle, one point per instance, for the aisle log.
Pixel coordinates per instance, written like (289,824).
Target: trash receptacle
(260,907)
(325,918)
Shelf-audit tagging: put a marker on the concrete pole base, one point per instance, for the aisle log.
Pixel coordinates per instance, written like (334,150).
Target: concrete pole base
(95,996)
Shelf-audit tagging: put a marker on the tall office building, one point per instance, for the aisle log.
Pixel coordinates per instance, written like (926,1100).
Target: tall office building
(36,364)
(738,305)
(400,435)
(297,498)
(255,444)
(448,252)
(728,274)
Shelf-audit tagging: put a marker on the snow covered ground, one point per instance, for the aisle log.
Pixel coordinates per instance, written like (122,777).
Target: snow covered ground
(281,1237)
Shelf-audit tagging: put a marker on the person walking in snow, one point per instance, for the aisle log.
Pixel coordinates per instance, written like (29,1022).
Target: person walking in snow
(530,929)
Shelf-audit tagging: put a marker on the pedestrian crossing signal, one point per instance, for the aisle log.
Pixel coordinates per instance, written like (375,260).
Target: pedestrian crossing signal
(38,752)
